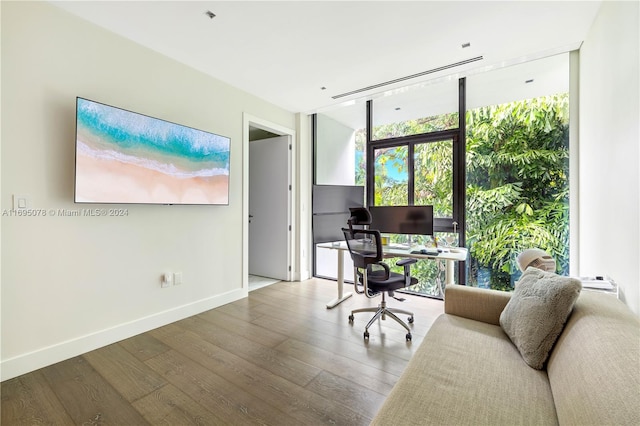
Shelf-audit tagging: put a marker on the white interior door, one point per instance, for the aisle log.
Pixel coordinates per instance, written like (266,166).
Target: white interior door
(269,207)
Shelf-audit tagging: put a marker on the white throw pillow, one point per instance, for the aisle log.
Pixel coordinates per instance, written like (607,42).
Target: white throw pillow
(535,316)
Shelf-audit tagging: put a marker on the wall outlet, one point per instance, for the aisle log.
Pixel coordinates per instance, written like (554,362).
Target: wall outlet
(177,278)
(167,280)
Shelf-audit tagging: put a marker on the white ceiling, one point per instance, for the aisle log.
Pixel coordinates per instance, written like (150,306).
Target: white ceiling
(285,52)
(527,80)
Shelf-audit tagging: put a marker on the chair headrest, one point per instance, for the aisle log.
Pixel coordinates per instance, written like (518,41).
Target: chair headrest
(359,216)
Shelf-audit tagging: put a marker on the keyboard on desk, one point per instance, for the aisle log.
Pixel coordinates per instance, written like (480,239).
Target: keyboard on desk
(427,251)
(397,246)
(406,248)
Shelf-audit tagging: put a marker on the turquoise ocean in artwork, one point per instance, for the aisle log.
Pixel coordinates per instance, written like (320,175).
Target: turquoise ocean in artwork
(111,133)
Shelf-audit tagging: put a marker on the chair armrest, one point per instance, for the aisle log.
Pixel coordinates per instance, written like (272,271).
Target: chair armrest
(475,303)
(384,266)
(407,261)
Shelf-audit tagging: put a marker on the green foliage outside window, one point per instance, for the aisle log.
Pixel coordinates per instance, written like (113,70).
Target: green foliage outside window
(433,182)
(517,184)
(433,178)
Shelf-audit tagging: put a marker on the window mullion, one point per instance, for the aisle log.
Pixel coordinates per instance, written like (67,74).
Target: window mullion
(370,163)
(411,170)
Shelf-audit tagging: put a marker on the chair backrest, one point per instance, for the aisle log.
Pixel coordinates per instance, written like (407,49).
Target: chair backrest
(359,216)
(365,246)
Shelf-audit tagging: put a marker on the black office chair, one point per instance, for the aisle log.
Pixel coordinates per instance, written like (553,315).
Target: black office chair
(360,217)
(365,247)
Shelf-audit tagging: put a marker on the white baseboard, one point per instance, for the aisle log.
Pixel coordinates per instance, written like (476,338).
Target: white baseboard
(301,276)
(28,362)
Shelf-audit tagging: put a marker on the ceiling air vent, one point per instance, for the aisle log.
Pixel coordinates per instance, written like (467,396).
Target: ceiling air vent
(409,77)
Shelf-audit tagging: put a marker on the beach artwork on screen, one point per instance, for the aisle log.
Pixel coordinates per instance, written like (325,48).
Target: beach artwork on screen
(125,157)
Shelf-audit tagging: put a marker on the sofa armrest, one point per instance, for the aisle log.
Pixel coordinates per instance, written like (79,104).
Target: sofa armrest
(475,303)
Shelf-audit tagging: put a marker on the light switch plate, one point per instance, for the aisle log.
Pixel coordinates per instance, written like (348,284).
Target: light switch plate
(167,280)
(20,202)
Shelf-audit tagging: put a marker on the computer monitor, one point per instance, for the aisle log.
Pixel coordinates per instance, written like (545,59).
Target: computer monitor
(411,220)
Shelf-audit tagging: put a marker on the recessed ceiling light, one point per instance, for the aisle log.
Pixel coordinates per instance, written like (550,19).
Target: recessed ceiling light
(529,81)
(465,45)
(323,88)
(398,108)
(210,14)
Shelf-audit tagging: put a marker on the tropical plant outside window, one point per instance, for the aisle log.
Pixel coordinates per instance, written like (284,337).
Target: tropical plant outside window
(415,127)
(433,183)
(506,188)
(517,184)
(391,176)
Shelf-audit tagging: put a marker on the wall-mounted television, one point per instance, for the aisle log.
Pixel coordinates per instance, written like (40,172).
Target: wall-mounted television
(125,157)
(412,220)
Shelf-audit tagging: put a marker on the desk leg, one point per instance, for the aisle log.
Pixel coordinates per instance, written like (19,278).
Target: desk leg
(341,295)
(448,274)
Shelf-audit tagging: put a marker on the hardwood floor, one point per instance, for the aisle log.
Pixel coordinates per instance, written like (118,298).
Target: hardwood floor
(278,357)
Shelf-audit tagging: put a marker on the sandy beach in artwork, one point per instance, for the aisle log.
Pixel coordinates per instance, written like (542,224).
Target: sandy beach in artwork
(111,181)
(125,157)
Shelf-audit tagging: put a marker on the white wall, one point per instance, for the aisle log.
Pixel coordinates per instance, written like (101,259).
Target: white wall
(335,165)
(304,179)
(335,152)
(71,284)
(609,149)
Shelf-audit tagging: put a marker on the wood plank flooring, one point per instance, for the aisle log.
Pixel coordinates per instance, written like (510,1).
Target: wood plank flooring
(278,357)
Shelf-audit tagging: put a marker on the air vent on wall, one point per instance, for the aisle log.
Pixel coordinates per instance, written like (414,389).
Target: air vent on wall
(409,77)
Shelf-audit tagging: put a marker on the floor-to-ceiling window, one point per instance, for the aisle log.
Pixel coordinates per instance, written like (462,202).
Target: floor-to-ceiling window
(517,166)
(414,142)
(489,152)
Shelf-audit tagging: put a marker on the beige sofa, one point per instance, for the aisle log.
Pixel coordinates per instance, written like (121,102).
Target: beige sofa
(467,371)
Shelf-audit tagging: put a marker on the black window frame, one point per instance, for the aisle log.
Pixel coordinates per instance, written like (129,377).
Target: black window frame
(458,137)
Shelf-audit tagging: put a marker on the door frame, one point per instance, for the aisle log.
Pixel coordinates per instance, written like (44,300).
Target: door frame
(249,121)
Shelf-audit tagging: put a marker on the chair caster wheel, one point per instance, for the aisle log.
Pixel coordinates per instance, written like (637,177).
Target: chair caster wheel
(411,320)
(351,318)
(408,337)
(366,335)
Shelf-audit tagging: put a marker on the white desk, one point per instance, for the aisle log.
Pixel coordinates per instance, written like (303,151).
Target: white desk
(604,285)
(459,255)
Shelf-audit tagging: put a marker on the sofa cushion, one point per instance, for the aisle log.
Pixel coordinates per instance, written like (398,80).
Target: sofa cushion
(467,372)
(475,303)
(594,368)
(537,311)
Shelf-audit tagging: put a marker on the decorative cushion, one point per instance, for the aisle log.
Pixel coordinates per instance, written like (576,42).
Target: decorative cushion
(535,316)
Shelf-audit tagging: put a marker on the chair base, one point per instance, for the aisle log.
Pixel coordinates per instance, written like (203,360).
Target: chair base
(382,312)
